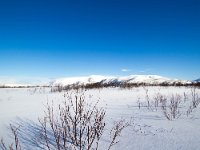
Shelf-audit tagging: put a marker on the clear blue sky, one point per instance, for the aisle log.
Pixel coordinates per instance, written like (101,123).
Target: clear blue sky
(57,38)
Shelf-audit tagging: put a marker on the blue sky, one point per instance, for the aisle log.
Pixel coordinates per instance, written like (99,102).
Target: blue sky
(57,38)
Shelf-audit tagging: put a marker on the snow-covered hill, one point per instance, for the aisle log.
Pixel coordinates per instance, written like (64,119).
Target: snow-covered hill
(197,80)
(102,80)
(132,79)
(80,80)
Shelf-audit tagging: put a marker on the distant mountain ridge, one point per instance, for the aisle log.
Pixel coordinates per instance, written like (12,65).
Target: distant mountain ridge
(107,81)
(197,80)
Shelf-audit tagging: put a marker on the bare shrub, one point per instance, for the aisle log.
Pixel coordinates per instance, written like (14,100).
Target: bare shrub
(195,98)
(116,132)
(139,103)
(159,99)
(147,98)
(16,144)
(171,111)
(185,97)
(78,125)
(195,101)
(190,110)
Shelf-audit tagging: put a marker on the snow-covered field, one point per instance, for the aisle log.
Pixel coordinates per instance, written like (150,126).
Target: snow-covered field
(149,128)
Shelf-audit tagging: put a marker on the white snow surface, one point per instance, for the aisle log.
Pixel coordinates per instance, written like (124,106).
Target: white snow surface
(149,127)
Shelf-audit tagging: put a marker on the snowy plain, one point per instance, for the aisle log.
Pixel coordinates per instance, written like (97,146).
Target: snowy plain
(149,129)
